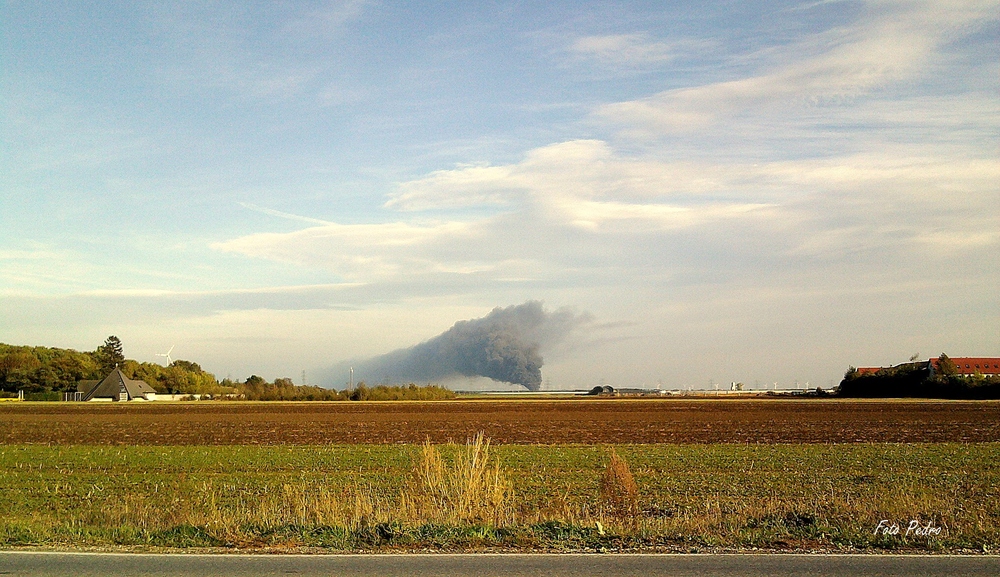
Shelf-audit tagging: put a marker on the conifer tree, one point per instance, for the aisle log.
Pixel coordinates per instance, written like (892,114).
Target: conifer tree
(111,354)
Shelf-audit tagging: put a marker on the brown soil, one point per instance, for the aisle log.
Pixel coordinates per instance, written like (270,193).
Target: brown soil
(504,421)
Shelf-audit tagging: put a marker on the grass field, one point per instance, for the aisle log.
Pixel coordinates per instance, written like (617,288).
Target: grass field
(693,475)
(350,497)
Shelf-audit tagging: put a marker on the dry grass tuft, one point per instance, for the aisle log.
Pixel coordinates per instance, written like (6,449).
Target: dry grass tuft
(474,489)
(619,492)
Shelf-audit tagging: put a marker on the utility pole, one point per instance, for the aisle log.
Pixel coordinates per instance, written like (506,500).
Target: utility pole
(351,388)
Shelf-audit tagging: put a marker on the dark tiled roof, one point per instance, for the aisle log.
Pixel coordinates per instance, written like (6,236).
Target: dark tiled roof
(111,386)
(85,386)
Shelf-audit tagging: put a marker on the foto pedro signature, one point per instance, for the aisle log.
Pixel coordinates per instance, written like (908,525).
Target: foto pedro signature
(913,529)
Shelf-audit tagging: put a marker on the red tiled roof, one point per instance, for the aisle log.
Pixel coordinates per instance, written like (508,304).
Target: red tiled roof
(973,365)
(965,366)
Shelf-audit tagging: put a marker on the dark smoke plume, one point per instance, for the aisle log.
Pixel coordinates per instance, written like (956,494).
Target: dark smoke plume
(505,346)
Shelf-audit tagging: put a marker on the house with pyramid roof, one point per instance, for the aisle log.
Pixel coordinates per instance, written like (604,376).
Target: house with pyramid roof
(115,387)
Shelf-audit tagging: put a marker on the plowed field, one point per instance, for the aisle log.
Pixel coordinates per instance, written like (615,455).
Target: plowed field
(504,421)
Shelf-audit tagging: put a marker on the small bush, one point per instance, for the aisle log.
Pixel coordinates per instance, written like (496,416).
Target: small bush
(384,533)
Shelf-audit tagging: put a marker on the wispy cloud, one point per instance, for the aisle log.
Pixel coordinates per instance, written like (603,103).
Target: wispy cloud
(27,254)
(328,19)
(368,251)
(280,214)
(628,50)
(213,49)
(896,41)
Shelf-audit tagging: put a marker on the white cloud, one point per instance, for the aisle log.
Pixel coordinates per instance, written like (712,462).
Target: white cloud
(951,242)
(465,186)
(556,176)
(366,251)
(899,167)
(622,49)
(578,205)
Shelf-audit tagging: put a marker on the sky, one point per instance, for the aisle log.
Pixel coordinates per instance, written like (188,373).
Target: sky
(765,192)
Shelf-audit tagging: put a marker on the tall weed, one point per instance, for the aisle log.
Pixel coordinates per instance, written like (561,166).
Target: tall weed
(471,489)
(619,492)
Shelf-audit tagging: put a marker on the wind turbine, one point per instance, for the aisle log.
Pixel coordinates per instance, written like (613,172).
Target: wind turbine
(167,355)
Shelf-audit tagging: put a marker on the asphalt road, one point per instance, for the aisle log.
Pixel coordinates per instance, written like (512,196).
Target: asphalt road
(485,565)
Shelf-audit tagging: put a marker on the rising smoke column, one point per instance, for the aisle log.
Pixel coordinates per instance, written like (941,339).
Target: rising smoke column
(503,346)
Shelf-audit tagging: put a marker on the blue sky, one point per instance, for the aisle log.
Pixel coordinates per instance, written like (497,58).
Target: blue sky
(752,191)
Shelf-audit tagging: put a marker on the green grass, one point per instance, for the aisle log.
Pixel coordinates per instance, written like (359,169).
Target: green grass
(348,497)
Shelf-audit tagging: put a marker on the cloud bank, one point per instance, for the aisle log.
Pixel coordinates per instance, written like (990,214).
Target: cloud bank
(820,150)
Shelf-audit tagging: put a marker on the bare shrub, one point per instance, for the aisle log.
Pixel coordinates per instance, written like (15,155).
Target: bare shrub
(619,493)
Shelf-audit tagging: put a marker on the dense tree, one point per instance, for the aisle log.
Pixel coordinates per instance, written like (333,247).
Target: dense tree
(43,369)
(111,354)
(187,366)
(17,370)
(946,366)
(255,381)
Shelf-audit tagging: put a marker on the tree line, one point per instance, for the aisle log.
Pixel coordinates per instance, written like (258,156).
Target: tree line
(42,371)
(47,372)
(257,389)
(915,379)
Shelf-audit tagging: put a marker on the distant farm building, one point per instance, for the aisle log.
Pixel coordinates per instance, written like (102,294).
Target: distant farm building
(114,387)
(965,366)
(602,390)
(970,366)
